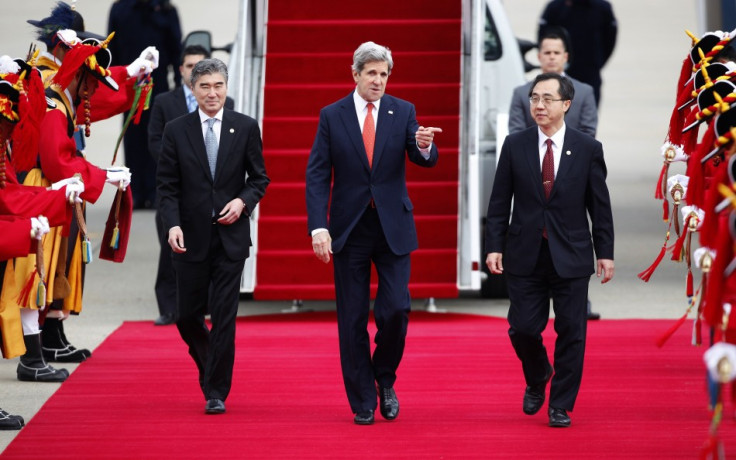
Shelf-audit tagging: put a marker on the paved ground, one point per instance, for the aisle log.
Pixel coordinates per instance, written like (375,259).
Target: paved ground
(638,93)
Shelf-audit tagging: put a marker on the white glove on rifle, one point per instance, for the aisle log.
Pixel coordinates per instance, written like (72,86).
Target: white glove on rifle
(39,227)
(73,191)
(71,180)
(118,175)
(145,63)
(139,68)
(150,54)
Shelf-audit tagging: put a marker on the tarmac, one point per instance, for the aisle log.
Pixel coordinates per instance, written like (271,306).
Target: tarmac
(638,94)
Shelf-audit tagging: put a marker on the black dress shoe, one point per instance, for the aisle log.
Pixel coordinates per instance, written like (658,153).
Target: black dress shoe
(592,316)
(40,373)
(214,406)
(389,403)
(10,421)
(558,418)
(164,320)
(534,395)
(364,418)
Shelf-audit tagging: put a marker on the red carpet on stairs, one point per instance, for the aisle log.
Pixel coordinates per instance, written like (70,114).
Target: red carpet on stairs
(460,388)
(309,51)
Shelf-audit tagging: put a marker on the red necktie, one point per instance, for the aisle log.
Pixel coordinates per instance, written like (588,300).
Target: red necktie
(548,169)
(369,134)
(548,175)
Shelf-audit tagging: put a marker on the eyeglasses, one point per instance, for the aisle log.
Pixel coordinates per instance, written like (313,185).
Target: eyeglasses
(534,100)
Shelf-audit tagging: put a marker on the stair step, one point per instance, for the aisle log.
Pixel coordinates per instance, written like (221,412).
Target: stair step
(290,233)
(290,165)
(298,132)
(294,99)
(427,265)
(345,35)
(335,68)
(380,9)
(428,198)
(326,291)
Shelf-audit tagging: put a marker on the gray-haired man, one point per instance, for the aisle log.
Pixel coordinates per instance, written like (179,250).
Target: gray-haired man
(206,198)
(357,166)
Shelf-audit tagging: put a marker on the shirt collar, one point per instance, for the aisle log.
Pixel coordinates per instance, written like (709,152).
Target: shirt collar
(557,138)
(360,103)
(204,117)
(187,91)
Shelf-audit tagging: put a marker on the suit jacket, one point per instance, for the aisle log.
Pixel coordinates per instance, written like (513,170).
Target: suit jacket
(338,156)
(166,107)
(582,114)
(579,191)
(186,189)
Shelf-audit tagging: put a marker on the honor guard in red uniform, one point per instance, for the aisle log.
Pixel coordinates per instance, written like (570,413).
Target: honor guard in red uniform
(85,64)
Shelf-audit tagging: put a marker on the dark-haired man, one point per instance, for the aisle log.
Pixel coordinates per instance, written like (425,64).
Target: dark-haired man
(556,177)
(166,107)
(553,56)
(206,200)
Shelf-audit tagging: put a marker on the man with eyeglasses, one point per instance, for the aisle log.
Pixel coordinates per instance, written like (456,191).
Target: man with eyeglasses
(582,115)
(556,177)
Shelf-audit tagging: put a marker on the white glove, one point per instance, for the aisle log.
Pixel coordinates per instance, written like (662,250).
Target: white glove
(118,175)
(67,181)
(150,54)
(139,67)
(39,227)
(720,359)
(73,190)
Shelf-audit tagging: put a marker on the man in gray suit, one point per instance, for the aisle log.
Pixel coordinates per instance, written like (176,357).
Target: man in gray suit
(552,56)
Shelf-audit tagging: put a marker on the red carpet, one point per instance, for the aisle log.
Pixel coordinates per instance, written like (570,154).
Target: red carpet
(460,388)
(309,51)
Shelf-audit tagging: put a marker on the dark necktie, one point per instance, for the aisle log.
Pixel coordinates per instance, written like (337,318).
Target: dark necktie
(369,133)
(548,169)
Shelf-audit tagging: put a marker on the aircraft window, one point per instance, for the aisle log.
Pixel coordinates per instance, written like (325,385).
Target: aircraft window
(492,44)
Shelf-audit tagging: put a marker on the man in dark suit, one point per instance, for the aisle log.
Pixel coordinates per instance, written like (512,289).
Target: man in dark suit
(583,113)
(361,176)
(206,197)
(137,24)
(166,107)
(556,177)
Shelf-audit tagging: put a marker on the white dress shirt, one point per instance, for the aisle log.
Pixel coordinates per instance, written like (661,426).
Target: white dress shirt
(557,139)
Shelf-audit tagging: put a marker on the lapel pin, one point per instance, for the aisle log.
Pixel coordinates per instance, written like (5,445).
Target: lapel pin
(232,131)
(390,112)
(568,153)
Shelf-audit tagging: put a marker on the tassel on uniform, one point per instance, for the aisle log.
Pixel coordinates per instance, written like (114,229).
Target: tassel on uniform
(678,247)
(86,250)
(24,296)
(669,332)
(697,331)
(115,240)
(647,274)
(41,295)
(658,193)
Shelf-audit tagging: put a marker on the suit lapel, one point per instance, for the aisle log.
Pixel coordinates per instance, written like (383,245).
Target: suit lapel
(384,126)
(352,127)
(568,145)
(181,101)
(531,150)
(227,131)
(194,134)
